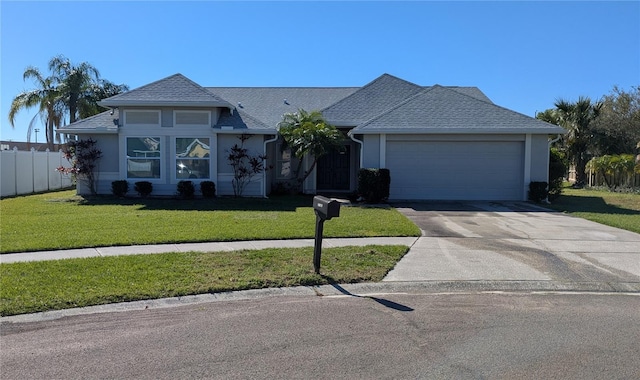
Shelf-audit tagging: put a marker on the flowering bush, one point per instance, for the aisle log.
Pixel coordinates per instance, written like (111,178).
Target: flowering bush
(83,156)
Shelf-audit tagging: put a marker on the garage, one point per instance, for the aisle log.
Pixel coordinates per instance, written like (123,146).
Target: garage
(456,170)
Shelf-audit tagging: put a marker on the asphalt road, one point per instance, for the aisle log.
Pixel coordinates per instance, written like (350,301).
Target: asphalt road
(429,335)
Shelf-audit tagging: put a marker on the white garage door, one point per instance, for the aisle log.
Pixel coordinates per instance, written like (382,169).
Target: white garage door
(462,170)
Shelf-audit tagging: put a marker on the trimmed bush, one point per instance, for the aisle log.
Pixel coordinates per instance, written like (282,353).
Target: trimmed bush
(208,189)
(538,191)
(373,184)
(119,188)
(144,188)
(557,170)
(186,189)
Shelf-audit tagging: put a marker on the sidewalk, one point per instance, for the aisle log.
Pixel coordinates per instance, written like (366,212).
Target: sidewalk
(199,247)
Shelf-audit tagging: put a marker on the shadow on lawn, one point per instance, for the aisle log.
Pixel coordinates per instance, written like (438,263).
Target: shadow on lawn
(574,203)
(283,203)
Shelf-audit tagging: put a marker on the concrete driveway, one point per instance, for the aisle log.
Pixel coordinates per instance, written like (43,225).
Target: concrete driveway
(514,241)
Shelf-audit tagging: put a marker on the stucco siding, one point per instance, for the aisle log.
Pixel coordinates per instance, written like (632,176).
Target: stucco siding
(539,158)
(371,151)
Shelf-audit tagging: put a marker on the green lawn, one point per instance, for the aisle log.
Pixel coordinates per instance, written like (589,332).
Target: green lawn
(621,210)
(51,285)
(62,220)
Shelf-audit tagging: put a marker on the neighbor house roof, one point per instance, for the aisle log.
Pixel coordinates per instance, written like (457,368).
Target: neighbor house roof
(176,90)
(440,109)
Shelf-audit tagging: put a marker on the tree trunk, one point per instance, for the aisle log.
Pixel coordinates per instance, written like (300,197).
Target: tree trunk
(581,170)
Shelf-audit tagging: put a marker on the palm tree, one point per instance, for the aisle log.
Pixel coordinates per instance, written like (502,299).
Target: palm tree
(75,82)
(88,103)
(46,97)
(308,133)
(576,118)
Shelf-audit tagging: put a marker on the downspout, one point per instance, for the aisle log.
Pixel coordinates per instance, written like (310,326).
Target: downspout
(352,137)
(264,173)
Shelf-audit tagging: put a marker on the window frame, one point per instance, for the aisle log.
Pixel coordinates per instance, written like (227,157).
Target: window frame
(158,158)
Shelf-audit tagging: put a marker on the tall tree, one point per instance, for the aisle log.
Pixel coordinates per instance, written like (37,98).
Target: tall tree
(75,81)
(88,102)
(308,133)
(617,129)
(577,118)
(46,97)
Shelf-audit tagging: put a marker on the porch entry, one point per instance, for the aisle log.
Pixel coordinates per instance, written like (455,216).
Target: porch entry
(333,170)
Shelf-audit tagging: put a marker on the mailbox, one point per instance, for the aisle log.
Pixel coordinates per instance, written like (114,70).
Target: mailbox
(326,208)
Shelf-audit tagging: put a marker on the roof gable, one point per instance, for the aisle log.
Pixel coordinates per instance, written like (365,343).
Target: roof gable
(381,94)
(443,110)
(175,90)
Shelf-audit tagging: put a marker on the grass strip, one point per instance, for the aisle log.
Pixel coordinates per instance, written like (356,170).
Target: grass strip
(62,220)
(621,210)
(60,284)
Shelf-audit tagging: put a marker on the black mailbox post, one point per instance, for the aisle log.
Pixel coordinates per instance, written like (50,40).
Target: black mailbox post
(325,209)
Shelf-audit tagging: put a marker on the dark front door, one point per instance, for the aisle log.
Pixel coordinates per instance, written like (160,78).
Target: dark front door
(333,170)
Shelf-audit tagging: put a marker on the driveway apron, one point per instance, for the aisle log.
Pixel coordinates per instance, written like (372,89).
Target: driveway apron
(513,241)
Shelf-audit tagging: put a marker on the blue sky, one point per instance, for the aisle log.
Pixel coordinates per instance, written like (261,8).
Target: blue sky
(522,55)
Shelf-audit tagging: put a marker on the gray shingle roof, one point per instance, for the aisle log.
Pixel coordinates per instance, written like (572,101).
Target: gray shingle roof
(381,94)
(240,120)
(104,122)
(267,104)
(443,110)
(176,90)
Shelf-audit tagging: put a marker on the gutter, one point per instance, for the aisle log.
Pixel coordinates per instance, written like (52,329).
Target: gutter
(352,137)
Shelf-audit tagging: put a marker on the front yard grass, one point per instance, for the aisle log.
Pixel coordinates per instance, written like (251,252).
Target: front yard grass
(62,220)
(621,210)
(59,284)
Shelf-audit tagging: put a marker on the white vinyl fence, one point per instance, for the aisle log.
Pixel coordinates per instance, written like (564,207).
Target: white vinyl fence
(26,172)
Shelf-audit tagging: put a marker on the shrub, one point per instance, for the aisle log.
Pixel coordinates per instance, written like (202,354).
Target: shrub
(557,169)
(208,189)
(144,188)
(119,188)
(538,191)
(373,184)
(186,189)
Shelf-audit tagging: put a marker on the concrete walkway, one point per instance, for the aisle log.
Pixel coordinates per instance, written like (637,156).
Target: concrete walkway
(199,247)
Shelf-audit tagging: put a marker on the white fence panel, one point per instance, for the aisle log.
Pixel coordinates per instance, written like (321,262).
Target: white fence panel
(25,172)
(8,175)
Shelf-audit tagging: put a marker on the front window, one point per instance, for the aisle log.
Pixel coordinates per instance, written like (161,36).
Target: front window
(193,158)
(143,157)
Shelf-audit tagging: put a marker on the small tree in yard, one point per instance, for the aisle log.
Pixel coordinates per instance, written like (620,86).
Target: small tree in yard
(308,133)
(245,166)
(83,156)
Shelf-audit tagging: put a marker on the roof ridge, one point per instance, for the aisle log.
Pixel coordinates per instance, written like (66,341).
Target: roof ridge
(400,104)
(385,75)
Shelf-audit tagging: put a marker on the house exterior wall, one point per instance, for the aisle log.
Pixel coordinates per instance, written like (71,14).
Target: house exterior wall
(255,146)
(539,158)
(370,151)
(114,163)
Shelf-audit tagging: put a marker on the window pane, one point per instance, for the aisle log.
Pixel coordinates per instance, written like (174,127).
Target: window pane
(142,117)
(143,147)
(192,118)
(192,148)
(137,168)
(192,169)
